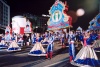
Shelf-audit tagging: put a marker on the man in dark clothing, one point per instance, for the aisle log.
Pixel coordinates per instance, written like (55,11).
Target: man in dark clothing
(24,39)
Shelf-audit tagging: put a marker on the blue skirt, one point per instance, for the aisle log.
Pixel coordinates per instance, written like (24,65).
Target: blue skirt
(14,49)
(86,56)
(3,46)
(37,50)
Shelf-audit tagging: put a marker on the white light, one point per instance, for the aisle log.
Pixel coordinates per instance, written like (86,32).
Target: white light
(43,15)
(48,15)
(36,26)
(80,12)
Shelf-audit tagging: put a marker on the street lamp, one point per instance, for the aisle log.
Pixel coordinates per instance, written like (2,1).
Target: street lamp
(45,15)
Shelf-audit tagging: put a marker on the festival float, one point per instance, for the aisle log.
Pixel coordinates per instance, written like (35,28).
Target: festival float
(58,16)
(21,25)
(95,23)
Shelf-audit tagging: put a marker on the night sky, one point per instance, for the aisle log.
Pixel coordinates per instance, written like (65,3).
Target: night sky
(39,7)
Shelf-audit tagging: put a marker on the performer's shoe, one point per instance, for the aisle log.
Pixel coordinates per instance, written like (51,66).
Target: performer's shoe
(51,55)
(70,58)
(47,55)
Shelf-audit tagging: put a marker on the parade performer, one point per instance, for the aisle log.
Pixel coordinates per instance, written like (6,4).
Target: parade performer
(72,50)
(45,40)
(50,46)
(71,40)
(28,40)
(13,46)
(71,36)
(63,37)
(86,56)
(38,49)
(2,43)
(57,36)
(79,38)
(8,34)
(97,44)
(7,37)
(33,38)
(20,40)
(94,36)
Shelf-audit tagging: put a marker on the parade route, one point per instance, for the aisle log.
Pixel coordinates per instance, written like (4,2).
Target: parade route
(22,59)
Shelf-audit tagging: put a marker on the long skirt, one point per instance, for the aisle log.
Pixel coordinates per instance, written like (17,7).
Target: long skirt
(37,50)
(86,57)
(14,47)
(3,44)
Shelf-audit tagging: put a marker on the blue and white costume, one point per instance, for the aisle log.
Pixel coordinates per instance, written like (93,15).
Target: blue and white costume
(3,44)
(33,39)
(57,36)
(38,49)
(13,46)
(45,40)
(50,46)
(7,38)
(72,50)
(20,41)
(71,40)
(87,55)
(94,36)
(71,37)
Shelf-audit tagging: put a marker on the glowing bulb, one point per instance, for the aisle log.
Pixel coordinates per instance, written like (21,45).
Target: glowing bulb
(80,12)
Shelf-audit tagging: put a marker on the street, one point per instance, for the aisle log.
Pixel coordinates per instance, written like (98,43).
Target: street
(22,59)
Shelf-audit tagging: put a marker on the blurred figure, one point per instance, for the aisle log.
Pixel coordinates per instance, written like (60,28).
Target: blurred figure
(2,43)
(13,45)
(38,49)
(86,56)
(50,45)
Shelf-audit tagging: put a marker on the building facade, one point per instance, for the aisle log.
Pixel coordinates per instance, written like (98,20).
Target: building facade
(4,14)
(42,21)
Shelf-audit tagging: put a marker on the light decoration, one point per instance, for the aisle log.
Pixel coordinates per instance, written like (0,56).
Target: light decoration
(58,16)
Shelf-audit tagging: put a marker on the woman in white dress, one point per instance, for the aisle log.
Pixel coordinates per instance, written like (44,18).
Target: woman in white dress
(38,49)
(86,56)
(13,46)
(2,43)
